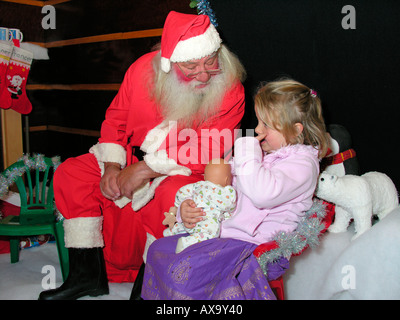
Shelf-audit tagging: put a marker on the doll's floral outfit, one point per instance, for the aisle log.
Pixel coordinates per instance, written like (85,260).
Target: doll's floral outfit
(218,202)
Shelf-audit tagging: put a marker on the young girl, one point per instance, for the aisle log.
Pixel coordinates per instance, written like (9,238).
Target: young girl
(275,175)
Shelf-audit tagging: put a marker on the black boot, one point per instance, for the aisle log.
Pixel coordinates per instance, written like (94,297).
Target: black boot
(137,286)
(87,276)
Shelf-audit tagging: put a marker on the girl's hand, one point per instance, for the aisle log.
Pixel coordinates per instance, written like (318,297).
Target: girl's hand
(190,214)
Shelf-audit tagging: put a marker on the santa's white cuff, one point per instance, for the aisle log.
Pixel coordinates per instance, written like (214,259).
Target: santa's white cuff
(109,152)
(85,232)
(156,136)
(161,163)
(149,240)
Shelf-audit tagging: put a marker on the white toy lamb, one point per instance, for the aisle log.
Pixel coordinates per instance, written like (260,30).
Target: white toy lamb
(357,197)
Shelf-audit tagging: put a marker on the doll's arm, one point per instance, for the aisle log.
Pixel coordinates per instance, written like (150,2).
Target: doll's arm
(229,198)
(184,193)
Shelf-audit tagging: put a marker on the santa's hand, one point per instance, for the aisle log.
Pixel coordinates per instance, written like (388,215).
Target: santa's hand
(108,182)
(191,214)
(133,177)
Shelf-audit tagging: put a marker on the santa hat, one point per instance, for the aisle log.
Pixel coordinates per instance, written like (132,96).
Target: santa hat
(187,37)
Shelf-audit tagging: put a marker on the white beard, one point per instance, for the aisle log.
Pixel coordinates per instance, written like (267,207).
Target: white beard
(188,105)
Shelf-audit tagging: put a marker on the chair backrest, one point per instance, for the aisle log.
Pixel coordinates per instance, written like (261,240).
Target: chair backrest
(33,177)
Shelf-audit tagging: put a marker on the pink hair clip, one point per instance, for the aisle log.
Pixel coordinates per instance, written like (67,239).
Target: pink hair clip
(313,93)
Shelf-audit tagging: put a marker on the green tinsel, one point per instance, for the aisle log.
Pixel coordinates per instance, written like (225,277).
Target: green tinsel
(306,235)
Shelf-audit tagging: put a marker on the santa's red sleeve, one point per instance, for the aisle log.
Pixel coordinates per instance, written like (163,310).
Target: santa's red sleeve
(113,139)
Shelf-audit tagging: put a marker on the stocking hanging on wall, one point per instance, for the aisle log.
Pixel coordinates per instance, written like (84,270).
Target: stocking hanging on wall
(13,92)
(6,50)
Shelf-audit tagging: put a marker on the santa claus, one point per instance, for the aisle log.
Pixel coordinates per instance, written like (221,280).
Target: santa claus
(178,106)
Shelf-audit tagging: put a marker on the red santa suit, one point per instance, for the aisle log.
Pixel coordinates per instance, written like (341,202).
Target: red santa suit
(133,120)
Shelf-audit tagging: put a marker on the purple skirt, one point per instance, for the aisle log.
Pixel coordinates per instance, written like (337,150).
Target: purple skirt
(216,269)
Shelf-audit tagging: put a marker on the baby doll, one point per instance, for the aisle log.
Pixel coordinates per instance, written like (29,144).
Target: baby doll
(217,198)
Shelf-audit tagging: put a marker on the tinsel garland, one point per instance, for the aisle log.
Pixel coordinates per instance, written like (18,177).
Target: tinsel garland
(306,235)
(8,177)
(203,7)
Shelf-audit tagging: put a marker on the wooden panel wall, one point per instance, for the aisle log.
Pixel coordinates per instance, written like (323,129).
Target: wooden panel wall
(94,43)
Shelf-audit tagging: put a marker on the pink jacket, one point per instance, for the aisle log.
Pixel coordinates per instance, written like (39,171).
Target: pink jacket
(273,190)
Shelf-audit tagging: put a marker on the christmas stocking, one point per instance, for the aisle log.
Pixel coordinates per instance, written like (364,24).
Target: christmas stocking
(16,77)
(6,50)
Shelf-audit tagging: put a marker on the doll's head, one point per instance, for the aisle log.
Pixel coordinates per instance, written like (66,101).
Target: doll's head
(219,172)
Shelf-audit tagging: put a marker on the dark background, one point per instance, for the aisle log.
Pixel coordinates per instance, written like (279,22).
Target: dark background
(355,72)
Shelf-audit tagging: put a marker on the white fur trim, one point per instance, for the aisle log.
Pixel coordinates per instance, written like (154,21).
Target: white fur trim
(156,159)
(122,202)
(149,240)
(6,49)
(197,47)
(159,162)
(83,232)
(165,65)
(156,136)
(109,152)
(142,196)
(12,197)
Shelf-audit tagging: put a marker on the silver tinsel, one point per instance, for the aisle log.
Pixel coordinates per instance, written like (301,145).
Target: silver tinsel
(9,176)
(306,235)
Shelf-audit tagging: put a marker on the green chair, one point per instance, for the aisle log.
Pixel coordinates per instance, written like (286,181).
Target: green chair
(33,177)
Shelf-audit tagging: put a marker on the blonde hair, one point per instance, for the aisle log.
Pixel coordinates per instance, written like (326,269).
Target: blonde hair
(283,103)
